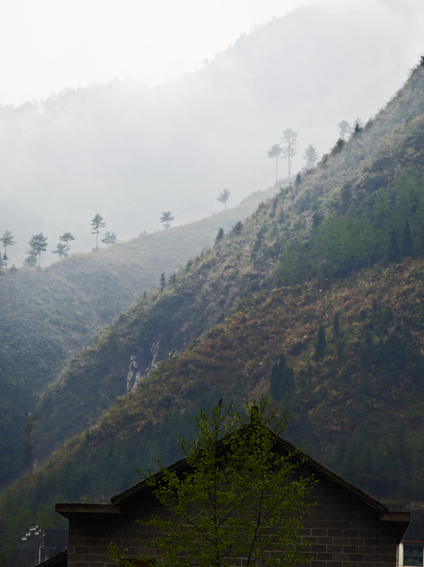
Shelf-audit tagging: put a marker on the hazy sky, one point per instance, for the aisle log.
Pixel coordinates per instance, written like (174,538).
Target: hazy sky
(47,45)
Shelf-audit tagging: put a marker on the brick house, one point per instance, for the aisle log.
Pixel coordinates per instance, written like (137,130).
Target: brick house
(347,528)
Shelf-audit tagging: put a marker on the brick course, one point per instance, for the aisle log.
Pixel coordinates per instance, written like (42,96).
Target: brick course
(346,529)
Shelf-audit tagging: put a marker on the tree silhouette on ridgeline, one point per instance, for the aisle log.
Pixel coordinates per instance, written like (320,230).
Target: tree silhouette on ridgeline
(65,239)
(345,129)
(310,156)
(275,153)
(166,219)
(289,148)
(110,238)
(96,224)
(37,244)
(8,240)
(223,197)
(60,250)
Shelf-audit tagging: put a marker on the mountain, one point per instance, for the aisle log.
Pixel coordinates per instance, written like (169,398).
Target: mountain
(345,404)
(48,316)
(337,218)
(318,294)
(129,152)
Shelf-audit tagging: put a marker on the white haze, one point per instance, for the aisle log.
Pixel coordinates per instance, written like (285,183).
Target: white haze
(130,152)
(49,44)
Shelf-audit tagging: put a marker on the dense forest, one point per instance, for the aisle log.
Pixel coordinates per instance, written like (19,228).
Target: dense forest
(317,298)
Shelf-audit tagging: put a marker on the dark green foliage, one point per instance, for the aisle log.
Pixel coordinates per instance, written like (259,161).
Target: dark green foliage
(287,388)
(340,144)
(321,343)
(340,350)
(219,236)
(237,229)
(162,282)
(393,251)
(282,384)
(407,244)
(336,325)
(275,381)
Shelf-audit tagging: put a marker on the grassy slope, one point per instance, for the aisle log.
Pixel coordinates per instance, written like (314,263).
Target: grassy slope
(47,316)
(281,242)
(333,398)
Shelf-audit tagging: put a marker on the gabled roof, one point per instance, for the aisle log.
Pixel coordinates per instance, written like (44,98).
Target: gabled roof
(136,491)
(142,486)
(59,560)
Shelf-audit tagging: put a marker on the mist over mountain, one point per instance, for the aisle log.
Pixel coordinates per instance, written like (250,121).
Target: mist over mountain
(129,153)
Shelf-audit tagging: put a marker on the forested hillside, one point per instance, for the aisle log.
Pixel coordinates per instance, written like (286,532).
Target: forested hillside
(316,299)
(336,218)
(47,316)
(346,362)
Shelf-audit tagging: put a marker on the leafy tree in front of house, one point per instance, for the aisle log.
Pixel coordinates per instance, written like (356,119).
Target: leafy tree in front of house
(275,153)
(110,238)
(237,498)
(8,240)
(37,244)
(166,219)
(223,197)
(65,239)
(96,224)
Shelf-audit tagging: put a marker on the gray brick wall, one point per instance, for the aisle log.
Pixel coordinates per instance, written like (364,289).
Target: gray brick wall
(343,531)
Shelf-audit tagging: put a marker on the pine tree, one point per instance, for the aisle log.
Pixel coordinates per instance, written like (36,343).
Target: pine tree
(110,238)
(310,156)
(393,251)
(287,387)
(336,325)
(37,244)
(275,152)
(8,240)
(166,219)
(321,343)
(61,250)
(276,377)
(65,239)
(407,244)
(223,197)
(219,236)
(96,224)
(275,381)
